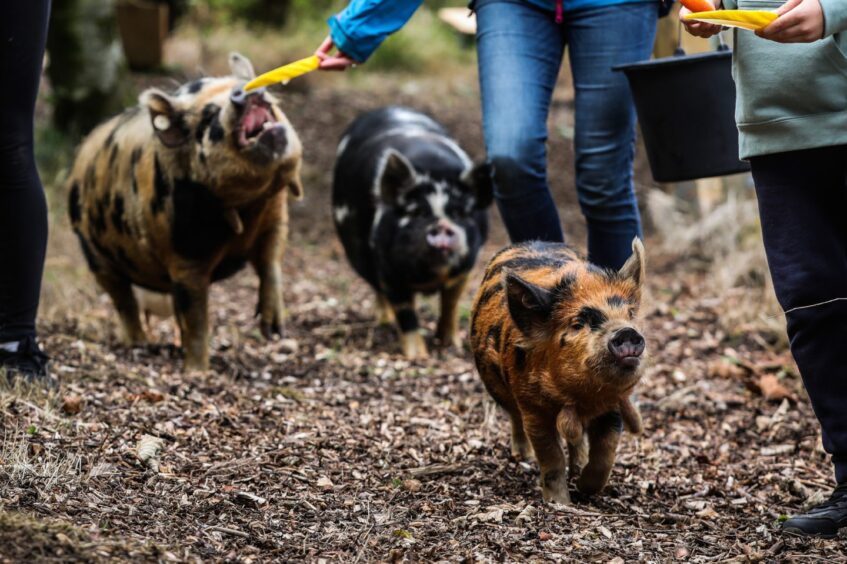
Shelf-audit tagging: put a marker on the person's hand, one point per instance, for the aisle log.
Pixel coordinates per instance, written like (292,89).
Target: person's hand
(699,29)
(337,62)
(799,21)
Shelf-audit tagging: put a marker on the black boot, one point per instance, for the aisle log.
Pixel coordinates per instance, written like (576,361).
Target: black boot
(28,362)
(822,520)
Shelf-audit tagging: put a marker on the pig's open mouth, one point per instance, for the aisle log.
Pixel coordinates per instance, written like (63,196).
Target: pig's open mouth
(257,119)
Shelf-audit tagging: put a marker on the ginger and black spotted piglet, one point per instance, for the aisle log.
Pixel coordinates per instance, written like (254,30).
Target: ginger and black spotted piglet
(556,342)
(183,190)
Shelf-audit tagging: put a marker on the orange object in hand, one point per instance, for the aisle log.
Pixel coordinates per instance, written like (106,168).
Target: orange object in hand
(698,5)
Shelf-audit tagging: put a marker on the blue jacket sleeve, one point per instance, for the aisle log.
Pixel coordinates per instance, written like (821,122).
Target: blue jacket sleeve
(364,24)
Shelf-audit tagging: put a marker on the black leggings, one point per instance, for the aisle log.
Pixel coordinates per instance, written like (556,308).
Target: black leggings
(23,208)
(803,207)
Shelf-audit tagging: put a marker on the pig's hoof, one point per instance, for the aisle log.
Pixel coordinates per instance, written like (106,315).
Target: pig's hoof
(554,486)
(590,484)
(413,345)
(453,342)
(273,329)
(558,495)
(521,450)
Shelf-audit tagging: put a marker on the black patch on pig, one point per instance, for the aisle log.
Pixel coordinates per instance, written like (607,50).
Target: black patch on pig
(113,155)
(124,261)
(182,298)
(520,359)
(227,267)
(199,227)
(118,214)
(592,317)
(489,293)
(216,130)
(616,301)
(494,336)
(195,86)
(73,204)
(86,252)
(210,113)
(133,160)
(563,291)
(523,263)
(611,421)
(90,177)
(161,187)
(98,217)
(407,320)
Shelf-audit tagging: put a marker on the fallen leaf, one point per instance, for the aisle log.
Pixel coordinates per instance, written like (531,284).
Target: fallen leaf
(147,450)
(771,389)
(544,536)
(71,404)
(412,485)
(325,483)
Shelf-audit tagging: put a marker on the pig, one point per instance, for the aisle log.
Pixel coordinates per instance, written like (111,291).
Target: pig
(556,342)
(410,209)
(183,190)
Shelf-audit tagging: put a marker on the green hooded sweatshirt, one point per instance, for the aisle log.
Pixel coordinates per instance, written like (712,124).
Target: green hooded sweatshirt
(791,96)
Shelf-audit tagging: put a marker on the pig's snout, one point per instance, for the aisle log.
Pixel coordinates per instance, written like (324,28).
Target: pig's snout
(627,346)
(442,236)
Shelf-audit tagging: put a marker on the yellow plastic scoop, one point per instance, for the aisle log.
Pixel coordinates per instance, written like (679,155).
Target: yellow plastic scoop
(284,73)
(744,19)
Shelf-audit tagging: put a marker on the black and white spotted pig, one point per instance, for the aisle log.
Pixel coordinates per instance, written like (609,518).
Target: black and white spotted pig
(410,209)
(182,190)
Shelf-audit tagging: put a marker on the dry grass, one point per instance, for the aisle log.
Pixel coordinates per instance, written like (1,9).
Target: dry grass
(727,242)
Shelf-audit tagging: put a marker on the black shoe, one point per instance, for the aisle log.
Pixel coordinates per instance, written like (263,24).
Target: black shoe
(822,520)
(28,362)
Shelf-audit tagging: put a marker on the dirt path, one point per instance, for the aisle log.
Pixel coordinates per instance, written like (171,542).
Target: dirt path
(332,447)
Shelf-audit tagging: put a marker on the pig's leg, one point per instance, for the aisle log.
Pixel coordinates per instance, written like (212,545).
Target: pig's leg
(119,289)
(384,312)
(447,332)
(267,262)
(577,455)
(603,436)
(544,437)
(191,306)
(411,340)
(521,449)
(631,417)
(570,427)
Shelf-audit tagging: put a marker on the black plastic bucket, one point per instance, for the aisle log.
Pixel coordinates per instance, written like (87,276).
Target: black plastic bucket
(686,108)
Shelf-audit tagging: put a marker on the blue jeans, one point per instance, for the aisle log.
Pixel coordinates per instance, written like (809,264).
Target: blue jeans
(520,51)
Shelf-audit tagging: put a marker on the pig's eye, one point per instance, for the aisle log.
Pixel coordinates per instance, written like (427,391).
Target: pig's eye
(414,211)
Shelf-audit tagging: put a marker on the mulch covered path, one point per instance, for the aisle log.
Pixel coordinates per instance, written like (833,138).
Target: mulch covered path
(329,446)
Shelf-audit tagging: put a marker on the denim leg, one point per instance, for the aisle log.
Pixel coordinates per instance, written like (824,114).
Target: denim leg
(520,50)
(598,39)
(802,204)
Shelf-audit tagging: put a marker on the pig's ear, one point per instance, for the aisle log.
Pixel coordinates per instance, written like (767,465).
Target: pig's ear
(241,67)
(168,121)
(634,266)
(530,306)
(394,175)
(478,179)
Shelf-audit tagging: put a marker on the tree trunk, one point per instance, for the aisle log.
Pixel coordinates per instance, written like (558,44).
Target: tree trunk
(86,64)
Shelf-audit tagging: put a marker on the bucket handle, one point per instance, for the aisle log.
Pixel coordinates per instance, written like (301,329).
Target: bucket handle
(722,46)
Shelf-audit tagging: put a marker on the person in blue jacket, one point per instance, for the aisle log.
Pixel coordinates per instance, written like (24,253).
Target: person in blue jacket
(521,44)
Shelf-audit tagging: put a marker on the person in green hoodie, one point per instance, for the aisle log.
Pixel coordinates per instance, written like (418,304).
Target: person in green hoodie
(791,110)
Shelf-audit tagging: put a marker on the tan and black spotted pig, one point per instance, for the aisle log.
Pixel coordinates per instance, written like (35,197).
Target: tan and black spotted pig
(183,190)
(556,343)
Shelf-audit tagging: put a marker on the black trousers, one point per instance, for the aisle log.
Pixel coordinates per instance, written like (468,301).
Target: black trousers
(23,208)
(803,208)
